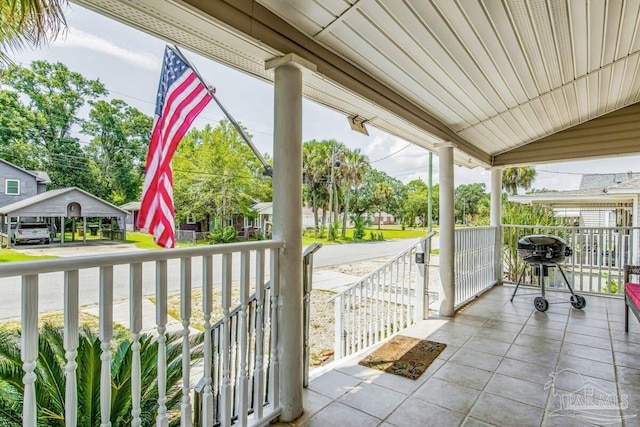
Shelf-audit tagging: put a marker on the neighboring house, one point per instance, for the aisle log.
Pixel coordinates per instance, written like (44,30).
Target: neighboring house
(264,211)
(382,218)
(603,200)
(133,210)
(18,184)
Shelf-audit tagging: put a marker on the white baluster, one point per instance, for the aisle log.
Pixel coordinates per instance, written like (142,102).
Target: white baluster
(135,319)
(243,381)
(185,314)
(225,392)
(274,372)
(258,375)
(106,335)
(339,327)
(161,319)
(29,348)
(71,346)
(207,300)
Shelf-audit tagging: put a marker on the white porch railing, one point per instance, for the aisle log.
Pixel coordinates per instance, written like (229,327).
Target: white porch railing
(132,270)
(475,262)
(256,327)
(382,303)
(598,259)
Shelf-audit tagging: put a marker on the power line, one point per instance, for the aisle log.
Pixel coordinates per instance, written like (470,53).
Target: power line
(392,154)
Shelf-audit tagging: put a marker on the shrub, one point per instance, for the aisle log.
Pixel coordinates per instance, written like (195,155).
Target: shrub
(223,235)
(373,236)
(359,224)
(333,232)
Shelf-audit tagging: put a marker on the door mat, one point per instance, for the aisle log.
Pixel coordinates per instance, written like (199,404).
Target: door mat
(404,356)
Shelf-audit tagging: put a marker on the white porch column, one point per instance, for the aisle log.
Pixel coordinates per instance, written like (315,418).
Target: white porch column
(287,225)
(496,219)
(447,228)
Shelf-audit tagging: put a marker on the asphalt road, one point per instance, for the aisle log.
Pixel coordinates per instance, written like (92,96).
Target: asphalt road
(51,289)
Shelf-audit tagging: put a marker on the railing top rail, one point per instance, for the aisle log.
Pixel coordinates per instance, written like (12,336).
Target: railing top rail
(92,261)
(570,227)
(385,265)
(472,228)
(311,249)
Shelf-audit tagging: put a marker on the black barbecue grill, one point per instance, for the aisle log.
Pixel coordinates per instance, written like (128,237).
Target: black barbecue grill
(542,252)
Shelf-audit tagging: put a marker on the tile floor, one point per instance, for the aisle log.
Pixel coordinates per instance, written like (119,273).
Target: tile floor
(499,357)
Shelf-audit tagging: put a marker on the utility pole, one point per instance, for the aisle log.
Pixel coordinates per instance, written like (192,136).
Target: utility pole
(429,201)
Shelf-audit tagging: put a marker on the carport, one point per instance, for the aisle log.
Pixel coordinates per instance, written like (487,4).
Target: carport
(64,203)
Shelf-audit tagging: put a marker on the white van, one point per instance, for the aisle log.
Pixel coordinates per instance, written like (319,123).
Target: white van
(27,232)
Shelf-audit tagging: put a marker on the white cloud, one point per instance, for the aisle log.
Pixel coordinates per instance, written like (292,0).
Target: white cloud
(80,39)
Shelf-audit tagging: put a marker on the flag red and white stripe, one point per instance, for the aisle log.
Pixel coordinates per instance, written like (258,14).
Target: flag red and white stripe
(181,97)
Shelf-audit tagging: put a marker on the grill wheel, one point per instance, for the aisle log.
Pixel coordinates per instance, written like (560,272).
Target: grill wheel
(541,304)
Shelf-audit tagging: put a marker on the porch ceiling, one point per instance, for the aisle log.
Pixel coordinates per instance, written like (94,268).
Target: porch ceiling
(489,76)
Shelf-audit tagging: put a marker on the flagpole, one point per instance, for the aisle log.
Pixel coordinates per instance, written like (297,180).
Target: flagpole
(268,170)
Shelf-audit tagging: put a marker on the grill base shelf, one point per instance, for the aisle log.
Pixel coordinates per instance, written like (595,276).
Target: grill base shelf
(541,303)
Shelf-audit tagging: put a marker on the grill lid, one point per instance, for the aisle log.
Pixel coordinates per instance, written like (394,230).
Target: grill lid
(541,248)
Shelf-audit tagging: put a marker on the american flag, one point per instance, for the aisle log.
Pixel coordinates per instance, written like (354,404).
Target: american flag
(181,97)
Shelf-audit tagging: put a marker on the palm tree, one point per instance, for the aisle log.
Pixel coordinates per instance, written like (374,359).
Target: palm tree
(523,177)
(29,23)
(354,167)
(50,371)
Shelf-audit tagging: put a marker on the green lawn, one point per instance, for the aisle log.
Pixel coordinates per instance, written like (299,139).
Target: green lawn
(9,255)
(388,232)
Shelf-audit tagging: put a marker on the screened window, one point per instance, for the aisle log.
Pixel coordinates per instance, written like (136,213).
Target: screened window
(12,186)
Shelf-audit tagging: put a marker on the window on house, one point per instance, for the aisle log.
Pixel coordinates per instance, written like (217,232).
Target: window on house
(191,219)
(12,186)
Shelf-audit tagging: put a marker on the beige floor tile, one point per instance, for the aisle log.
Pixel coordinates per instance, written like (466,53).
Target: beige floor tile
(535,355)
(464,375)
(312,403)
(603,343)
(472,422)
(448,395)
(502,325)
(587,352)
(505,412)
(520,390)
(333,384)
(524,370)
(592,368)
(497,335)
(485,345)
(375,400)
(476,359)
(628,376)
(416,412)
(338,414)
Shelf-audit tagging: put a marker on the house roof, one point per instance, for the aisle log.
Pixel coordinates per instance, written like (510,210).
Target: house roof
(131,206)
(19,208)
(263,207)
(616,195)
(606,180)
(40,176)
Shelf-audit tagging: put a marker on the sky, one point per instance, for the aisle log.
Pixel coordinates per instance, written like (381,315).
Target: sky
(128,62)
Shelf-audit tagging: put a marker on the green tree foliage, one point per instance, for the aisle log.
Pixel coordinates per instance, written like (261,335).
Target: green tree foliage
(377,192)
(50,385)
(216,175)
(118,149)
(55,96)
(514,178)
(29,23)
(15,132)
(521,214)
(316,168)
(353,168)
(468,199)
(417,202)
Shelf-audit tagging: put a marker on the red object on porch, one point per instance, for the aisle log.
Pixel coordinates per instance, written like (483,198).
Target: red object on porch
(631,294)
